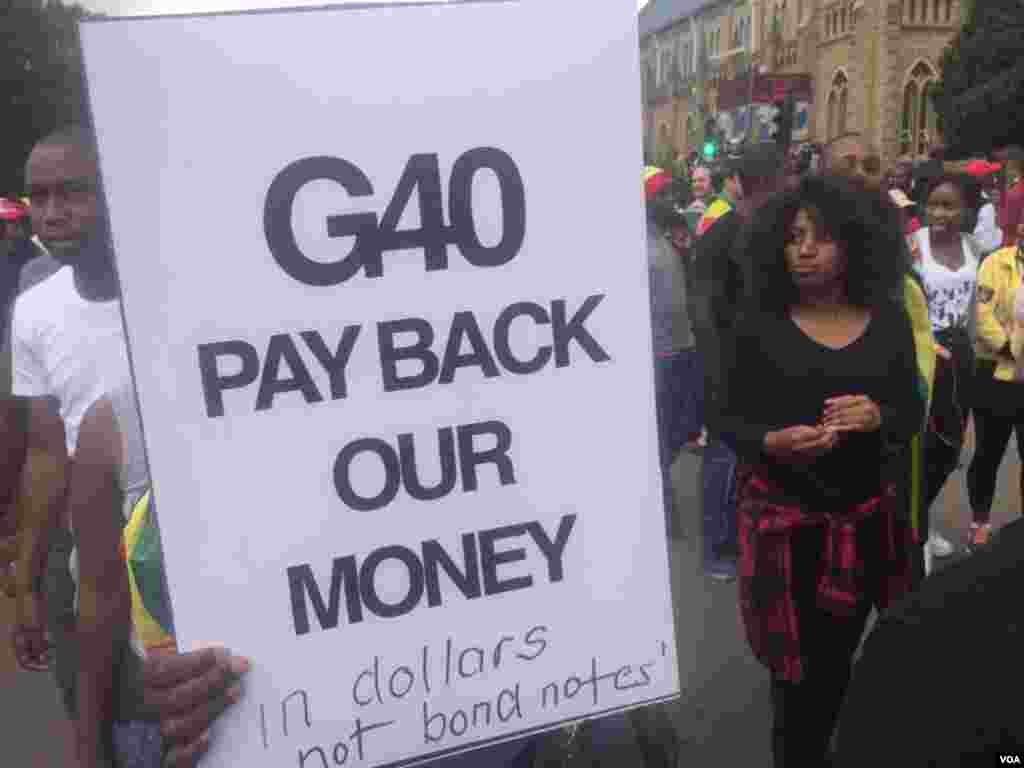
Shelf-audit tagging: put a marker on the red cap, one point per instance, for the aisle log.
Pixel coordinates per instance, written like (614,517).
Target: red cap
(10,210)
(655,184)
(981,168)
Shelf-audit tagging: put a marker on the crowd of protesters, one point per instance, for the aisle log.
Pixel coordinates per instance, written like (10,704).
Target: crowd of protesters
(879,310)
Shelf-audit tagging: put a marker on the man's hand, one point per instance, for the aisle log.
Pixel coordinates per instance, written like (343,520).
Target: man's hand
(188,692)
(31,641)
(852,413)
(942,352)
(799,445)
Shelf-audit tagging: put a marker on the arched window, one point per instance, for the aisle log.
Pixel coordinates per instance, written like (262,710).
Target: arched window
(919,119)
(837,104)
(909,118)
(926,121)
(842,20)
(935,15)
(912,15)
(949,10)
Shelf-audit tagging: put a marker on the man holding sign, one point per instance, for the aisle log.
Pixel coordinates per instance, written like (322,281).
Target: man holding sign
(361,395)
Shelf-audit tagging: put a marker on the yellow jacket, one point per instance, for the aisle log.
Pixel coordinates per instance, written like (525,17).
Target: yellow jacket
(998,279)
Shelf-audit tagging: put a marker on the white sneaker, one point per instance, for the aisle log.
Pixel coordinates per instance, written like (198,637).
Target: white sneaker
(939,546)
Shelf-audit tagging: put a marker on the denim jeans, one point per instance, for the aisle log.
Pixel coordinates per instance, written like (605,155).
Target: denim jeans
(679,395)
(718,487)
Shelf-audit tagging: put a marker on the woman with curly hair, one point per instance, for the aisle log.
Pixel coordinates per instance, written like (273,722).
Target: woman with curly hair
(823,386)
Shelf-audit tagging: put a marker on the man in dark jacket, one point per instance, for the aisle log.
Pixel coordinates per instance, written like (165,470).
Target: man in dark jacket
(966,620)
(718,290)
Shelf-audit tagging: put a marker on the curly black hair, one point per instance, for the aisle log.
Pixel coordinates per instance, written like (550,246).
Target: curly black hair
(873,244)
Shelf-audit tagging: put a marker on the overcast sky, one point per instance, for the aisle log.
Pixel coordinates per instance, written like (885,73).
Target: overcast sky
(131,7)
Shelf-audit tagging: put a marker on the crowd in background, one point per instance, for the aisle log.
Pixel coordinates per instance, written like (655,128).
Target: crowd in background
(844,328)
(824,335)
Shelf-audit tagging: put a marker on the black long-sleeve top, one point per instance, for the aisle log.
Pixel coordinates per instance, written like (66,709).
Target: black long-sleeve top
(778,377)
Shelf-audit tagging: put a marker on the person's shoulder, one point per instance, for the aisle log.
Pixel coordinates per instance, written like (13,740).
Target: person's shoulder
(719,209)
(1004,257)
(40,305)
(37,270)
(755,323)
(975,594)
(46,288)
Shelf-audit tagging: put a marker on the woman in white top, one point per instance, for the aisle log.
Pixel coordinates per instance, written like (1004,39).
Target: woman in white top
(948,268)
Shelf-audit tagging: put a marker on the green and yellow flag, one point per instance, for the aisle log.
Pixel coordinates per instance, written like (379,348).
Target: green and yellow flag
(151,605)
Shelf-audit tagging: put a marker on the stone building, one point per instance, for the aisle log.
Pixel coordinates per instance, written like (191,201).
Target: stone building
(870,64)
(687,47)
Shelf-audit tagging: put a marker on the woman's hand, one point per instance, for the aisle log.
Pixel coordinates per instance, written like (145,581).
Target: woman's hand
(942,352)
(852,413)
(800,444)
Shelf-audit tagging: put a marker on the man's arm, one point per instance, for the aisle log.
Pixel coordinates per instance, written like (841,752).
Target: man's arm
(40,505)
(12,459)
(104,598)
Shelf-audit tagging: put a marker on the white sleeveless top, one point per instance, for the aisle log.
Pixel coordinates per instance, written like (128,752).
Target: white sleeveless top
(950,292)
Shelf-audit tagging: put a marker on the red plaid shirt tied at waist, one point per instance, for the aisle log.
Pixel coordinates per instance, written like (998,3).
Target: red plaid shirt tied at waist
(768,518)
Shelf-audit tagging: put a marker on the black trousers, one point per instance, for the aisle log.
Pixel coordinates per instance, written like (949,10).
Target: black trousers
(998,411)
(805,713)
(951,407)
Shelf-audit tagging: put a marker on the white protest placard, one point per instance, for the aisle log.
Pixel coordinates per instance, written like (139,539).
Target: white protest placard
(386,295)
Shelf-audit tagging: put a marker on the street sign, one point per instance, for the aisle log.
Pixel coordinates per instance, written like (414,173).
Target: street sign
(398,407)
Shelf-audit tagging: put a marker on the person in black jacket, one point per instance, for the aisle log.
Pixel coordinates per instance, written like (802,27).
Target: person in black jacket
(717,290)
(898,711)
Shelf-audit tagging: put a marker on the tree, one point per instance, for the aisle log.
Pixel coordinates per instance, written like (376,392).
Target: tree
(41,79)
(980,100)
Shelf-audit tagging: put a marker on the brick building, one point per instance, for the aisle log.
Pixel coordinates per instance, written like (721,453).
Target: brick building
(863,66)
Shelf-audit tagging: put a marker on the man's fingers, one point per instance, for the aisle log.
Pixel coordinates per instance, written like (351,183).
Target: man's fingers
(190,727)
(187,756)
(192,694)
(166,671)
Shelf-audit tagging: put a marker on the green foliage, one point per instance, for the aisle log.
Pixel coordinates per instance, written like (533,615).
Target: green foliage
(41,80)
(980,100)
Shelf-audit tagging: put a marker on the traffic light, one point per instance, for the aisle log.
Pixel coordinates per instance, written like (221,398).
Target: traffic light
(782,123)
(710,148)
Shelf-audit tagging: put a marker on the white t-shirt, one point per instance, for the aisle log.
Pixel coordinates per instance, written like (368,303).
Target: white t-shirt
(950,292)
(66,347)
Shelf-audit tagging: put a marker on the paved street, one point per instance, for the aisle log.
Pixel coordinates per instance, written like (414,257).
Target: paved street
(723,716)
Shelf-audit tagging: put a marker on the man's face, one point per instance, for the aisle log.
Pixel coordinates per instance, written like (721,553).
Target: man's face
(852,159)
(701,183)
(734,188)
(901,177)
(65,206)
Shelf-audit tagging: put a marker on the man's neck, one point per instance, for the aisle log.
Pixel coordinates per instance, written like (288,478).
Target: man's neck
(95,279)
